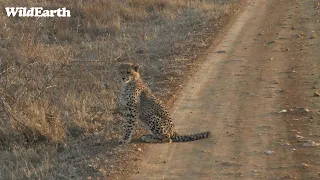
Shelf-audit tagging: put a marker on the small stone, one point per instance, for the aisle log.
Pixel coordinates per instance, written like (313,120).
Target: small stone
(316,94)
(313,36)
(271,42)
(282,90)
(302,165)
(298,137)
(139,149)
(306,110)
(287,49)
(268,152)
(311,117)
(302,110)
(310,143)
(283,111)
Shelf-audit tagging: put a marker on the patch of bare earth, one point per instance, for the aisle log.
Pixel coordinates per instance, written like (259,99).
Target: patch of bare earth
(302,85)
(58,84)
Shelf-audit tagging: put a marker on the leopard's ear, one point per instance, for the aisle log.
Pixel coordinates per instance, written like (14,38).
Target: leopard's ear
(136,67)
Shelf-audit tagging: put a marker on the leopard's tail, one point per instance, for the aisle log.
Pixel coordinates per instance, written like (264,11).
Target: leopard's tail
(191,137)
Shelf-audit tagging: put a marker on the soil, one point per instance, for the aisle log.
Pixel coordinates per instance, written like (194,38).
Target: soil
(256,92)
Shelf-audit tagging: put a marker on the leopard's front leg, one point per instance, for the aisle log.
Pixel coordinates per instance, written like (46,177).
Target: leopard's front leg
(131,116)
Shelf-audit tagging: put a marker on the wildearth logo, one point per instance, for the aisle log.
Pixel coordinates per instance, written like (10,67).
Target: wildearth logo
(36,12)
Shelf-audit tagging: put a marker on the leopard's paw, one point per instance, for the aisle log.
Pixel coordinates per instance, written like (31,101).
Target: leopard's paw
(146,138)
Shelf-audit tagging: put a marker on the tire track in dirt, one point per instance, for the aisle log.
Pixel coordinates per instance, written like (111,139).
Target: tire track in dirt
(237,95)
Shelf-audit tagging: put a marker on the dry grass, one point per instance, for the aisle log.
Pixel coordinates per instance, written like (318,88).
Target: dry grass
(58,84)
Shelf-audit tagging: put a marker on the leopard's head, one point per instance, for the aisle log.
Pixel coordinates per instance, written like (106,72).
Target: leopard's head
(128,72)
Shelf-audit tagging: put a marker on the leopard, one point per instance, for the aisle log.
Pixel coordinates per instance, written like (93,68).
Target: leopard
(139,103)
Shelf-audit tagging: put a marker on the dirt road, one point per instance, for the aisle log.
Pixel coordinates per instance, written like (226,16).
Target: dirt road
(267,61)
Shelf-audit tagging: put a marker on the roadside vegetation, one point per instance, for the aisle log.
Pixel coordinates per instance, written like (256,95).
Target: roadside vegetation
(58,83)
